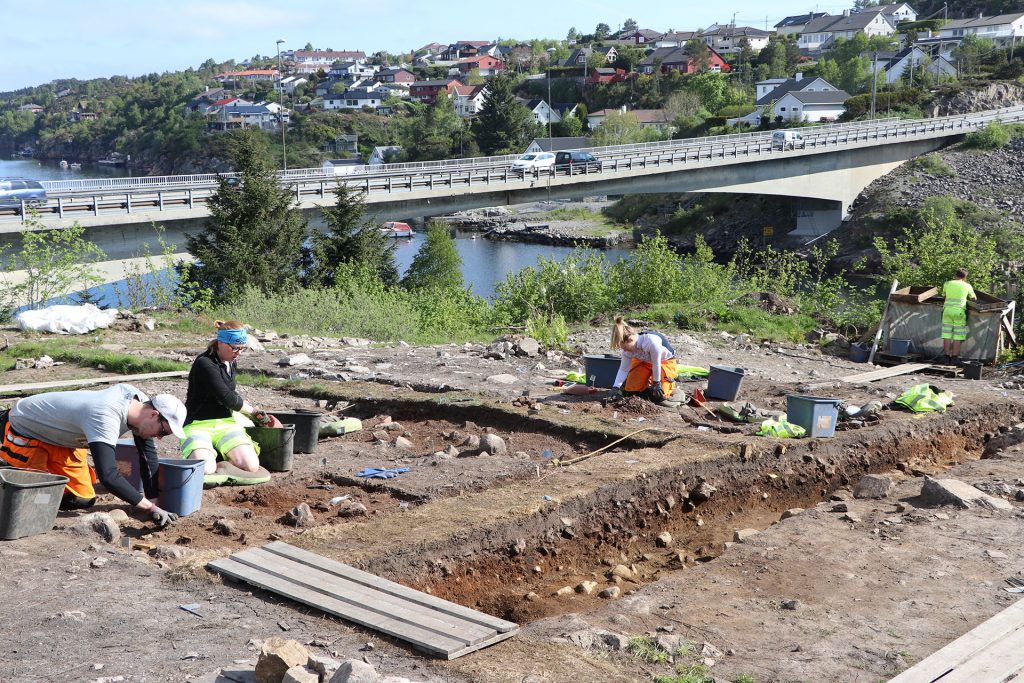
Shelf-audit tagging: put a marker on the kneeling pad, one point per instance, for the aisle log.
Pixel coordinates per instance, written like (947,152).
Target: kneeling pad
(229,475)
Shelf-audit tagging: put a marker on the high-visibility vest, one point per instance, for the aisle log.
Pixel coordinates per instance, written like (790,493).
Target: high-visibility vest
(925,398)
(956,293)
(780,427)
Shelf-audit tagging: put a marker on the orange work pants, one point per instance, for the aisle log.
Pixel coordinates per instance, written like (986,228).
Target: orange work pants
(31,454)
(640,373)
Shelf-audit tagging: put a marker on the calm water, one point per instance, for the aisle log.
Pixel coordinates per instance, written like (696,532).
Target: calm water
(38,170)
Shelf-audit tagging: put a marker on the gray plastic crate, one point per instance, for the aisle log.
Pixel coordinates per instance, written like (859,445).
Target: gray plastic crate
(29,501)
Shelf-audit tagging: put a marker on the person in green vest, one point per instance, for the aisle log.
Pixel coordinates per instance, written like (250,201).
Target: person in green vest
(954,315)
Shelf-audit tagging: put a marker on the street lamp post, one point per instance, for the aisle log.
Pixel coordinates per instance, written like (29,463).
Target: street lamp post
(280,111)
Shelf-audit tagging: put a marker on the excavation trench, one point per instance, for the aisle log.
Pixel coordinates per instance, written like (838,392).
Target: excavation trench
(512,564)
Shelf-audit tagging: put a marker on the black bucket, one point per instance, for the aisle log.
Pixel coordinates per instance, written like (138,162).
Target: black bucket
(276,445)
(972,369)
(307,428)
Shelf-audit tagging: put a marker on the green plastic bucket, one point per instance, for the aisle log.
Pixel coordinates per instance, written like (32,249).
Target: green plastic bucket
(181,485)
(275,444)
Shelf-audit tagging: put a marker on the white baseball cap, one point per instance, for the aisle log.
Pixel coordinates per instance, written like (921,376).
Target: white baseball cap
(172,410)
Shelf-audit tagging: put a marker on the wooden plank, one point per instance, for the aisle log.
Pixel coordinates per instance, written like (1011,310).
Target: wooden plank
(947,663)
(341,589)
(421,638)
(997,663)
(389,587)
(112,379)
(904,369)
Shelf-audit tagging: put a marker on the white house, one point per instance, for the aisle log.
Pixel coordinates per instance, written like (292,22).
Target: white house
(289,83)
(727,38)
(766,86)
(343,166)
(811,106)
(469,99)
(1003,29)
(558,144)
(542,113)
(384,155)
(897,12)
(819,34)
(895,64)
(675,39)
(774,89)
(796,23)
(355,98)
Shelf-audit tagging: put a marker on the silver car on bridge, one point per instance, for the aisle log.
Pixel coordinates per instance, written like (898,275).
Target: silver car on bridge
(14,191)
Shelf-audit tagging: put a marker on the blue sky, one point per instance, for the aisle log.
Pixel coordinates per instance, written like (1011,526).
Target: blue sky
(47,39)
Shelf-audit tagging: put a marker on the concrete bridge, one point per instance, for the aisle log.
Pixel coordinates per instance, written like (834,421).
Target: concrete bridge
(831,167)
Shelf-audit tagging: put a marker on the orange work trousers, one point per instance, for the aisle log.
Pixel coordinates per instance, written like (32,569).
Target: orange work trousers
(640,373)
(31,454)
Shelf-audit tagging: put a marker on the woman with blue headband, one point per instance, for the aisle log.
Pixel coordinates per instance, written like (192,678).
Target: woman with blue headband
(217,414)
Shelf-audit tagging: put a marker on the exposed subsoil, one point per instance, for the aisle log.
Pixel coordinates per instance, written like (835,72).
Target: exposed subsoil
(653,516)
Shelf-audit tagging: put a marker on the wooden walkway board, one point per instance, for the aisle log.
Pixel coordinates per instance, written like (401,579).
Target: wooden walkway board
(438,627)
(110,379)
(895,370)
(989,653)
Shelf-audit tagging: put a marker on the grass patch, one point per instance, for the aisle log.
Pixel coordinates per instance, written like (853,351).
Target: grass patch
(933,164)
(687,673)
(744,678)
(575,213)
(120,363)
(643,647)
(993,136)
(738,319)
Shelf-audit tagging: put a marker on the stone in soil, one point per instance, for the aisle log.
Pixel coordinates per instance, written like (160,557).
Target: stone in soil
(873,486)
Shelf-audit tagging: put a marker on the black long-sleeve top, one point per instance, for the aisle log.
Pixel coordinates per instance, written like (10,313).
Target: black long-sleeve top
(104,458)
(211,389)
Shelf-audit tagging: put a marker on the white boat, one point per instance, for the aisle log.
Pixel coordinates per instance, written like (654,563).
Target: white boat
(75,166)
(63,164)
(396,229)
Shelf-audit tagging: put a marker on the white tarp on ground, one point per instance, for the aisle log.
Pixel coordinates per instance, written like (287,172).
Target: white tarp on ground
(66,319)
(922,324)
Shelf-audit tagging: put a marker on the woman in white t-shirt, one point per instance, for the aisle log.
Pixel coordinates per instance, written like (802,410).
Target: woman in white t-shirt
(648,366)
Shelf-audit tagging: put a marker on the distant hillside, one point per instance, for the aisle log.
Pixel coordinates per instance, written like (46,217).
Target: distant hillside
(968,8)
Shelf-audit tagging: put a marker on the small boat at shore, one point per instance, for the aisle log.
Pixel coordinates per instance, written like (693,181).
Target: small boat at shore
(396,229)
(63,164)
(75,166)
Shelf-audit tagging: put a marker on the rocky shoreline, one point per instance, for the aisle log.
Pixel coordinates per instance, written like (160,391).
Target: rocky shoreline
(501,224)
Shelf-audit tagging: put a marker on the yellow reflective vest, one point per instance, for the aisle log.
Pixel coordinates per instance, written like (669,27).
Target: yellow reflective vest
(925,398)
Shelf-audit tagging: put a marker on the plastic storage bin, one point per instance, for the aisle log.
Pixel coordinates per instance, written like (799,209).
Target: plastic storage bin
(307,428)
(601,370)
(859,352)
(815,414)
(276,445)
(181,485)
(29,501)
(900,347)
(724,382)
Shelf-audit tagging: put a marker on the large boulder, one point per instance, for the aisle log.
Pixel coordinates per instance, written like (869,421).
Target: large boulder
(355,671)
(277,656)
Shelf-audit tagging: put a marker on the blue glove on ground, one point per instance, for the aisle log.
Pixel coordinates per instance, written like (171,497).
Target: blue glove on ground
(381,473)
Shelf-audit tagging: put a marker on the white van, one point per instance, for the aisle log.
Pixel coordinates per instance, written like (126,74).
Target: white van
(787,139)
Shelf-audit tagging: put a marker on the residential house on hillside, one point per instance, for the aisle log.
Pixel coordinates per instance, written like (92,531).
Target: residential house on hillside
(356,98)
(641,36)
(384,154)
(558,144)
(766,86)
(359,69)
(241,114)
(542,113)
(342,144)
(895,64)
(667,59)
(396,74)
(343,166)
(485,64)
(897,12)
(31,107)
(675,39)
(648,118)
(469,99)
(818,106)
(606,75)
(771,91)
(431,49)
(427,91)
(796,23)
(307,68)
(249,76)
(581,56)
(1003,29)
(328,56)
(726,38)
(821,33)
(462,49)
(288,84)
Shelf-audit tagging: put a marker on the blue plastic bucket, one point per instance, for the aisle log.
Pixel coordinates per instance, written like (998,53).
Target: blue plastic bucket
(724,382)
(601,370)
(815,414)
(859,352)
(900,347)
(181,485)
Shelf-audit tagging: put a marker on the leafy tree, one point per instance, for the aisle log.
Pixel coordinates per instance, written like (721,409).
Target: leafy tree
(254,236)
(569,127)
(699,54)
(433,132)
(596,60)
(437,265)
(970,53)
(308,46)
(628,57)
(829,70)
(630,25)
(572,34)
(350,238)
(621,128)
(712,89)
(503,125)
(776,51)
(602,31)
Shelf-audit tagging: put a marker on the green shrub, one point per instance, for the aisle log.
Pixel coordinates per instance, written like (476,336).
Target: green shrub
(646,649)
(577,288)
(993,136)
(551,332)
(649,275)
(933,164)
(631,207)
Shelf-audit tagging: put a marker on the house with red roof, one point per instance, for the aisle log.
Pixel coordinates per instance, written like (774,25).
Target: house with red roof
(427,91)
(487,65)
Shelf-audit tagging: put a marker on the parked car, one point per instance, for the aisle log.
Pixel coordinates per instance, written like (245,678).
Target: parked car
(534,161)
(576,162)
(787,139)
(14,191)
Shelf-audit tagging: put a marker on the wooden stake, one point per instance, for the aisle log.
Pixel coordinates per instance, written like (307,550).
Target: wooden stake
(881,325)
